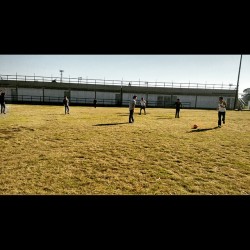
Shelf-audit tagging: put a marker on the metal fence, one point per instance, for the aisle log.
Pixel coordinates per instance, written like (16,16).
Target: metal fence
(31,99)
(80,80)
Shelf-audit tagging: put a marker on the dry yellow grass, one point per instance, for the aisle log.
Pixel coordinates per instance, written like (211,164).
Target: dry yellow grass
(96,151)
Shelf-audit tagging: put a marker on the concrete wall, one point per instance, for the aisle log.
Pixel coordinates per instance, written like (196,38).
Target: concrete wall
(31,94)
(111,95)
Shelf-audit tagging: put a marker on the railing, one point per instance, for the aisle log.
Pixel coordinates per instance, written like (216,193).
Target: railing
(84,101)
(242,104)
(80,80)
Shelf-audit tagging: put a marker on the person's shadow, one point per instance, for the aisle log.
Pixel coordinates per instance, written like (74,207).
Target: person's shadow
(201,129)
(110,124)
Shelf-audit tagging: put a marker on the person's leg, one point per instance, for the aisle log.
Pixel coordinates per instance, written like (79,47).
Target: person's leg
(130,116)
(2,108)
(178,113)
(65,109)
(224,117)
(140,110)
(219,119)
(144,111)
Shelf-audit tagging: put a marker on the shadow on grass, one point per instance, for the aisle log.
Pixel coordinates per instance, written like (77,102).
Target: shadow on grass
(128,114)
(161,118)
(110,124)
(202,129)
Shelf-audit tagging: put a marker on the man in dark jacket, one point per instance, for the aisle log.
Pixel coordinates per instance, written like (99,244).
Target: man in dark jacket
(178,106)
(2,102)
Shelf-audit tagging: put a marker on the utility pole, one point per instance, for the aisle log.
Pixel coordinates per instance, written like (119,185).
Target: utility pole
(237,88)
(61,74)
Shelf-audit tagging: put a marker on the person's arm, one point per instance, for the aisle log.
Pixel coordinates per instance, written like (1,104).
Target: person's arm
(134,104)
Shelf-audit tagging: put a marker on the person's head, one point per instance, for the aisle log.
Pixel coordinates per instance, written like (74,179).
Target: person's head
(178,100)
(142,98)
(135,97)
(220,98)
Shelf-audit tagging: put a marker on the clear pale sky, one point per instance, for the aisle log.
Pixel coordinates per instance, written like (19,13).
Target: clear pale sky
(210,69)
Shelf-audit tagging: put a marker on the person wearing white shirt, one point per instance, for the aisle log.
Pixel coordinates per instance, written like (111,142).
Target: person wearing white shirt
(221,111)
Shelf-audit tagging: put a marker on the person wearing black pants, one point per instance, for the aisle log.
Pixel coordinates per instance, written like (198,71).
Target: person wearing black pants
(132,104)
(221,111)
(178,106)
(2,102)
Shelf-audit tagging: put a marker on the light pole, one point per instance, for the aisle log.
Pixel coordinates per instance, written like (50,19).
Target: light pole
(79,79)
(61,74)
(237,88)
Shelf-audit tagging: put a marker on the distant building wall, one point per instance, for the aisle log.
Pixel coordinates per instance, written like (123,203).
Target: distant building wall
(78,95)
(187,99)
(115,95)
(54,92)
(24,94)
(206,102)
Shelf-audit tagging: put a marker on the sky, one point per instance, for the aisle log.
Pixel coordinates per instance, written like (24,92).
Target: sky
(210,69)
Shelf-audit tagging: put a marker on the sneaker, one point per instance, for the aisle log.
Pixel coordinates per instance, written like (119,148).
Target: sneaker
(223,122)
(219,126)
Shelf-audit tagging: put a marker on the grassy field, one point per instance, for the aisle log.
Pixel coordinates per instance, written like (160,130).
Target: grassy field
(96,151)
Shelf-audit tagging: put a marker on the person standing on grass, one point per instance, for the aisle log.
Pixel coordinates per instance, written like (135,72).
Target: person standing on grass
(95,101)
(132,104)
(221,111)
(2,102)
(66,104)
(178,106)
(143,105)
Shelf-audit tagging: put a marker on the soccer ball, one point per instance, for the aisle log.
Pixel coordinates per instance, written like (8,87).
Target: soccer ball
(195,126)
